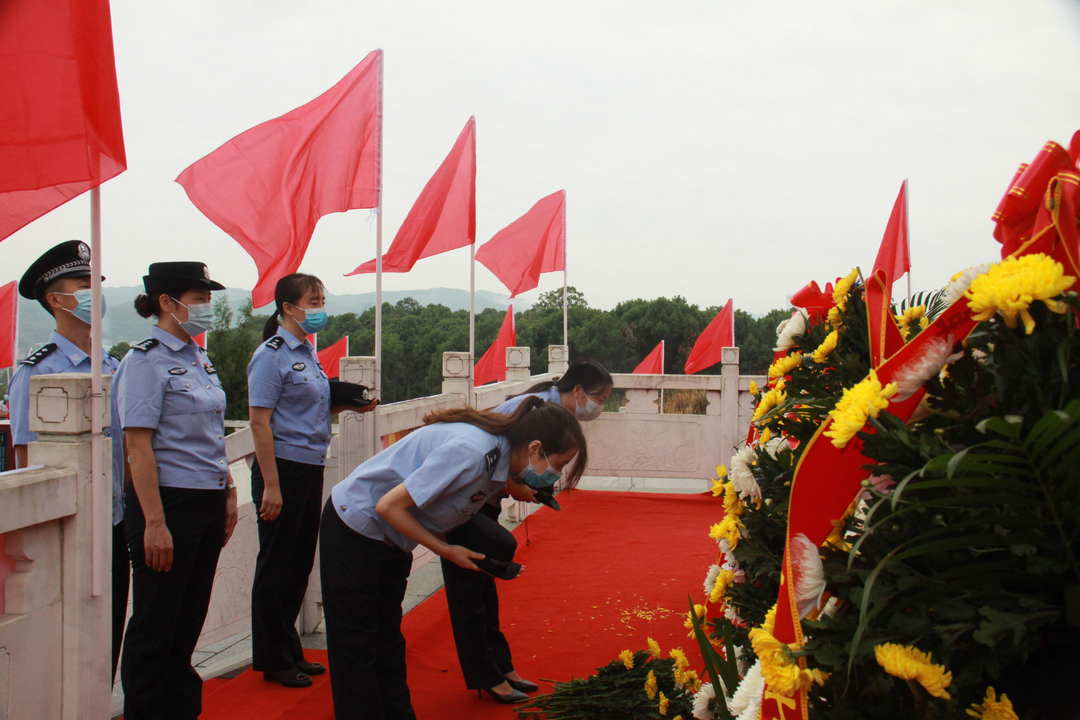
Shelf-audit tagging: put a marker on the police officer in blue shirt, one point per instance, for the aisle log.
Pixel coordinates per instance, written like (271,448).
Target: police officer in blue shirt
(60,281)
(472,598)
(413,493)
(181,508)
(289,399)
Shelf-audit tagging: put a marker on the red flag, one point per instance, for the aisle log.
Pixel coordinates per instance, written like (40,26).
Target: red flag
(330,358)
(9,323)
(885,335)
(268,186)
(443,217)
(492,366)
(534,243)
(60,130)
(718,335)
(313,338)
(893,255)
(200,340)
(654,363)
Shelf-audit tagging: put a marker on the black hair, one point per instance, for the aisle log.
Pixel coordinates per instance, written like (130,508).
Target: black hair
(553,425)
(147,305)
(589,374)
(51,287)
(289,289)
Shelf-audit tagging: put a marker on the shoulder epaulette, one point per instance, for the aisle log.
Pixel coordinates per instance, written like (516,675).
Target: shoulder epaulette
(43,352)
(146,344)
(275,342)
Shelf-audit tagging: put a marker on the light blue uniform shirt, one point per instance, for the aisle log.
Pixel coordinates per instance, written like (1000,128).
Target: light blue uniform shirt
(171,387)
(284,374)
(550,395)
(63,356)
(449,469)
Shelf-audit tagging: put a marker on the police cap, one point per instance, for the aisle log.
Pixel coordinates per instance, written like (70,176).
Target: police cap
(68,259)
(177,276)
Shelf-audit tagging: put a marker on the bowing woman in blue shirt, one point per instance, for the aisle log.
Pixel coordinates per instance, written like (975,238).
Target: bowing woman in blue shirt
(412,493)
(183,508)
(289,399)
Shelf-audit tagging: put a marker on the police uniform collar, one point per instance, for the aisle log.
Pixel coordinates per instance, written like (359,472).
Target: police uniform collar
(291,340)
(73,352)
(167,339)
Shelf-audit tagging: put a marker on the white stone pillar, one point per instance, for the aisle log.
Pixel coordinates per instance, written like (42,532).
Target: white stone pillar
(356,431)
(455,372)
(517,364)
(558,359)
(60,414)
(729,401)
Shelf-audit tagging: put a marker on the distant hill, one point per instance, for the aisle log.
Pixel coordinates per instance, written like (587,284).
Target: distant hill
(123,324)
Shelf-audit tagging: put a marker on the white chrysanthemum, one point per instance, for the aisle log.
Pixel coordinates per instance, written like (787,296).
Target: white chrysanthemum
(956,289)
(787,331)
(746,702)
(809,574)
(930,362)
(710,579)
(742,475)
(703,702)
(733,615)
(725,550)
(775,445)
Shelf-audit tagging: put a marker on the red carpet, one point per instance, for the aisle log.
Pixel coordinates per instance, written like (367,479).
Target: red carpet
(602,575)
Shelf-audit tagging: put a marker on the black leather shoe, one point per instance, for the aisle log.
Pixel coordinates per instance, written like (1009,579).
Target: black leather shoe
(310,668)
(514,696)
(523,685)
(288,678)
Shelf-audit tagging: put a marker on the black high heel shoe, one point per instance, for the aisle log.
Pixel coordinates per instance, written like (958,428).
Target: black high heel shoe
(288,678)
(523,685)
(310,668)
(514,696)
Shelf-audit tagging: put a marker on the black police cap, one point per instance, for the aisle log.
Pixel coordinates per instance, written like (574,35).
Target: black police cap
(347,394)
(485,535)
(68,259)
(177,276)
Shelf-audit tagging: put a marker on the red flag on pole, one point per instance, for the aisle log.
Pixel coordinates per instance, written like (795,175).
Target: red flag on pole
(893,256)
(9,323)
(654,363)
(200,340)
(534,243)
(330,358)
(60,130)
(443,217)
(718,335)
(492,366)
(268,186)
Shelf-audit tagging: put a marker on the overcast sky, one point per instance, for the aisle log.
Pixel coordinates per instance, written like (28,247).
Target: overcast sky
(708,149)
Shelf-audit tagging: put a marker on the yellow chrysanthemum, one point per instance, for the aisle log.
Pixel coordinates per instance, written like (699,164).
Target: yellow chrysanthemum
(729,529)
(654,649)
(753,388)
(834,318)
(717,488)
(780,385)
(699,610)
(721,471)
(679,656)
(912,314)
(840,292)
(766,436)
(867,399)
(909,663)
(924,322)
(733,504)
(778,666)
(663,704)
(723,580)
(992,708)
(768,401)
(826,347)
(690,681)
(770,620)
(650,685)
(627,658)
(1011,286)
(785,365)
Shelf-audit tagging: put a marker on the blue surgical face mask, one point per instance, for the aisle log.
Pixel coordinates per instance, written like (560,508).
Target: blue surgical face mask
(537,481)
(200,318)
(314,320)
(83,311)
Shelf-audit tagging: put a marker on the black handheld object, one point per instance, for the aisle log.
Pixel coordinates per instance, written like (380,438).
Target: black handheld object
(546,496)
(347,394)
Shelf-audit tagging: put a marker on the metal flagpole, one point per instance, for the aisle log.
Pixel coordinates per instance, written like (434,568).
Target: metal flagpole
(565,336)
(98,488)
(907,240)
(378,273)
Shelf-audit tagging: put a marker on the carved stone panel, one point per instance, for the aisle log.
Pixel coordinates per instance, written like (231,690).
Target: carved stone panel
(230,603)
(642,446)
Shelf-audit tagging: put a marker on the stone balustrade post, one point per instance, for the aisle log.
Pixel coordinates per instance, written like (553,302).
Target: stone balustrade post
(60,415)
(455,372)
(517,364)
(729,401)
(558,359)
(356,431)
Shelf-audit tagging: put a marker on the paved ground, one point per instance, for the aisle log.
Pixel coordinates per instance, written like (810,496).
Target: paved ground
(232,656)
